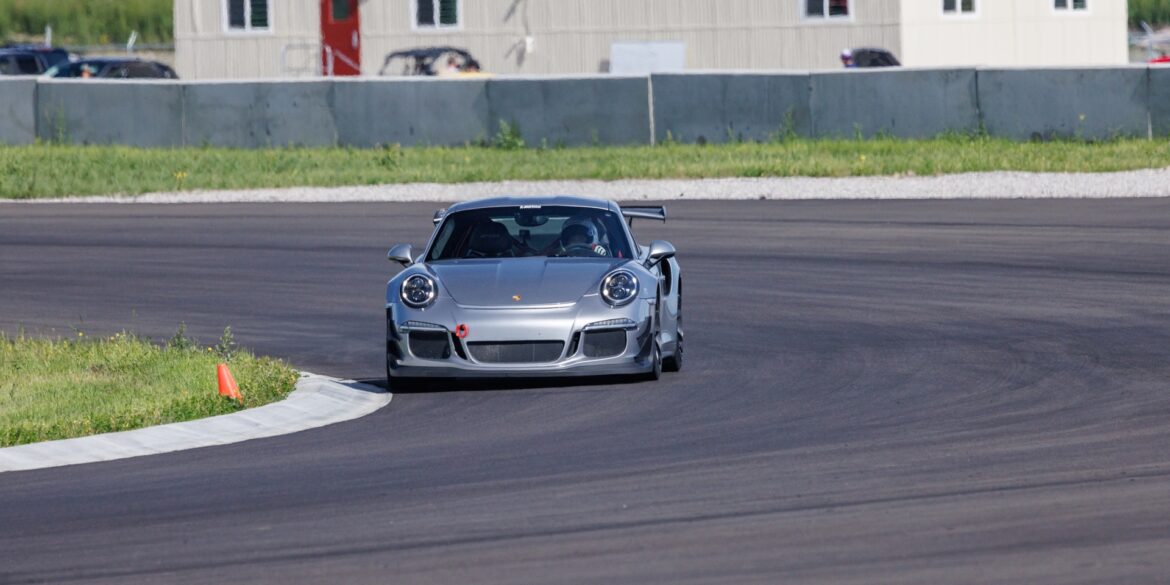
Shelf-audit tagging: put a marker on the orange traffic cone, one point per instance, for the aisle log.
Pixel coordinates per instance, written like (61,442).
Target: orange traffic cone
(227,384)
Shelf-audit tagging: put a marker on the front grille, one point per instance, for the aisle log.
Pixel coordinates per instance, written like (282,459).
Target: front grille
(430,345)
(604,343)
(515,352)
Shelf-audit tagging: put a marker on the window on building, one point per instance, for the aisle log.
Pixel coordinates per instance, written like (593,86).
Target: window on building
(436,13)
(1072,4)
(341,10)
(247,15)
(826,8)
(958,6)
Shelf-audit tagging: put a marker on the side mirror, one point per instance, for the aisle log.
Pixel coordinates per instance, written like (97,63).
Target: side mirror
(659,250)
(402,253)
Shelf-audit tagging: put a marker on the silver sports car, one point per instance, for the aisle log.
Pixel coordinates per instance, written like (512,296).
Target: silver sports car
(550,286)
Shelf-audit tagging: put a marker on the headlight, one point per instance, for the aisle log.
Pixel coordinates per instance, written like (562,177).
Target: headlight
(619,287)
(418,291)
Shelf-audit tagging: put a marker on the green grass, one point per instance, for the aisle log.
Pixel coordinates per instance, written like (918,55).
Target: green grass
(88,22)
(1154,12)
(53,170)
(60,388)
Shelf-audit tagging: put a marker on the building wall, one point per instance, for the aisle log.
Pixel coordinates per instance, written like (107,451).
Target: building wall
(568,36)
(1014,33)
(574,36)
(205,50)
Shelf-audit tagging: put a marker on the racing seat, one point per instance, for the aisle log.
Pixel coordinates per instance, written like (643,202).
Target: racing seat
(489,240)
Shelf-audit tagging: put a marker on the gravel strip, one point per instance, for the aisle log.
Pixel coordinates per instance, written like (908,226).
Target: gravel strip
(996,185)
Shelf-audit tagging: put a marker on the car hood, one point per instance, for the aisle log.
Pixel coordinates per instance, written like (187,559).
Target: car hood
(535,281)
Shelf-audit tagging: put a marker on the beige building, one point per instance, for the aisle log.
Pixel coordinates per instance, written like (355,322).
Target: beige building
(281,38)
(1014,33)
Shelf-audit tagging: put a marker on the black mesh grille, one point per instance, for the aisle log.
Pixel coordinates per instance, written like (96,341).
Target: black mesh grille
(604,343)
(430,345)
(516,352)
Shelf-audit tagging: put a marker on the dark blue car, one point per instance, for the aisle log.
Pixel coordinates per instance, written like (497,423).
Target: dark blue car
(30,59)
(112,68)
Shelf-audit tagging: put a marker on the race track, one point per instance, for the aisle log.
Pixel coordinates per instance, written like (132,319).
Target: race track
(895,392)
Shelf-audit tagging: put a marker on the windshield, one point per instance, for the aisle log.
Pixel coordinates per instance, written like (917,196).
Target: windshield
(526,231)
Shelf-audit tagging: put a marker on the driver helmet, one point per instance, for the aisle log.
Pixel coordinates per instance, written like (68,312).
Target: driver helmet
(579,230)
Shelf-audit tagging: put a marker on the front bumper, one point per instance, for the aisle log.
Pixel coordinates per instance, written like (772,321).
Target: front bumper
(488,329)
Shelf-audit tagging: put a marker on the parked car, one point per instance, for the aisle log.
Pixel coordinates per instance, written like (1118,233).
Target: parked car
(870,57)
(431,61)
(50,56)
(30,59)
(112,68)
(547,286)
(14,62)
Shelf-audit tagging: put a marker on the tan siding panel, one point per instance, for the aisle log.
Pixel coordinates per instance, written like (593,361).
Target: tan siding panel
(569,36)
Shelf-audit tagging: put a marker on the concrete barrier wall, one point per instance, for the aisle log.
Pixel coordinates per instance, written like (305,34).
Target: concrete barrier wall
(18,112)
(147,114)
(410,112)
(1031,104)
(259,115)
(719,107)
(572,111)
(907,103)
(1160,102)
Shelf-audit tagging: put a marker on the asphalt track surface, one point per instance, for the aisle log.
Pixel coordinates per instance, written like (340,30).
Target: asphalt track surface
(897,392)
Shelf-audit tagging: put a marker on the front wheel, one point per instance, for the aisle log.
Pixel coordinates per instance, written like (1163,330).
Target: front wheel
(674,362)
(656,359)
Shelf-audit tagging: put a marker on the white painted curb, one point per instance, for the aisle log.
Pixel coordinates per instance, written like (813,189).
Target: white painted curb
(317,401)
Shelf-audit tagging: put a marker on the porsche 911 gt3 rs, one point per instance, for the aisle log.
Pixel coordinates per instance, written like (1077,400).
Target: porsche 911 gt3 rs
(551,286)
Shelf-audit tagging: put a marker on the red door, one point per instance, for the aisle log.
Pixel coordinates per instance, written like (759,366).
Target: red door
(341,38)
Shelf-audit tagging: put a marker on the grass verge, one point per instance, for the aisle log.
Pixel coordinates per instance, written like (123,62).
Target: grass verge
(88,22)
(41,171)
(61,388)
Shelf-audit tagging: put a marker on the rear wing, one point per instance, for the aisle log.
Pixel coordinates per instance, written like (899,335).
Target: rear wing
(645,212)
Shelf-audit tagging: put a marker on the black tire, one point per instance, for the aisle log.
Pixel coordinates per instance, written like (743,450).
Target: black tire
(674,363)
(656,358)
(400,384)
(393,383)
(389,378)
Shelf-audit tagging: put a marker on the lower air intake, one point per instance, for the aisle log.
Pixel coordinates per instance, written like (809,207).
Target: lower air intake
(430,345)
(604,343)
(515,352)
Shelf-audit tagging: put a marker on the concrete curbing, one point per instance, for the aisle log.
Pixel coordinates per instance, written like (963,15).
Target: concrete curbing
(982,185)
(317,401)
